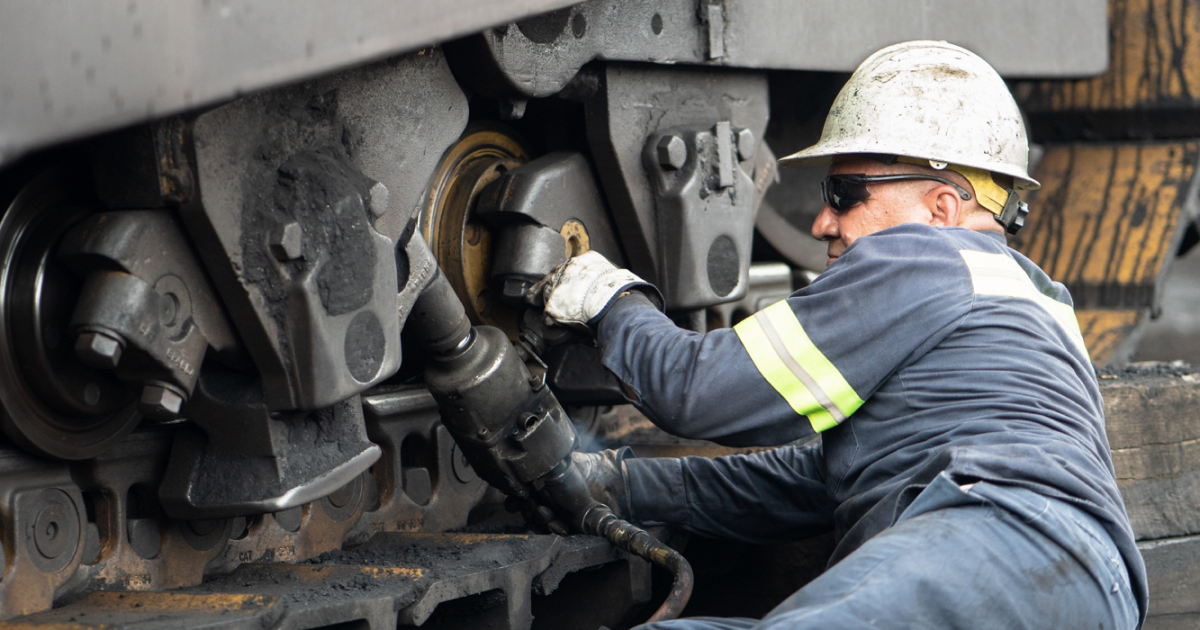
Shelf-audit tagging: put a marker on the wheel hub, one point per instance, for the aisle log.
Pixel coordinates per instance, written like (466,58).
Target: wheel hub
(461,243)
(53,404)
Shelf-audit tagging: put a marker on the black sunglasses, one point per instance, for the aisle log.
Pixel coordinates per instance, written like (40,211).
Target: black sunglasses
(843,192)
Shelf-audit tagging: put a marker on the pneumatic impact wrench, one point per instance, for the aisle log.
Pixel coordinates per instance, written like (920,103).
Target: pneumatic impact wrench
(513,431)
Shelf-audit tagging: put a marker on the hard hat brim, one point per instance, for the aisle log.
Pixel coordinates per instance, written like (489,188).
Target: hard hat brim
(822,155)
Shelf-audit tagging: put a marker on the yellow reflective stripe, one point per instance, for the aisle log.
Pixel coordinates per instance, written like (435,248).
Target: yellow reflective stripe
(792,364)
(806,354)
(1001,276)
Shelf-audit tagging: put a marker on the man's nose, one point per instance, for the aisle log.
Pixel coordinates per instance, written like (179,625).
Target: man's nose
(825,228)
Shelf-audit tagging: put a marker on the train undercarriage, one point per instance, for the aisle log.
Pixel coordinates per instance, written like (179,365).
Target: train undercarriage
(215,403)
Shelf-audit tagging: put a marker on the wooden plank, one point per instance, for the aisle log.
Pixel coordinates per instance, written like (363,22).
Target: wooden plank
(1154,63)
(1105,330)
(1153,426)
(1105,219)
(1160,508)
(1173,569)
(1147,411)
(1106,223)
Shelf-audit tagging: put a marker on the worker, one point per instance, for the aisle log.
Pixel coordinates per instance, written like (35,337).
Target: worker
(963,465)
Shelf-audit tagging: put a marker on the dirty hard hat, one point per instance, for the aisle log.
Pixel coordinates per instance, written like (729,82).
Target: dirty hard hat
(931,101)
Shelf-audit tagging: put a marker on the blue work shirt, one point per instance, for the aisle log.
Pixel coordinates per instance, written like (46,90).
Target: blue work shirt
(921,350)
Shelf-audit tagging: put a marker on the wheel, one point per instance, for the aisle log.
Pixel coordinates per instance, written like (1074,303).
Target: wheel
(52,404)
(460,242)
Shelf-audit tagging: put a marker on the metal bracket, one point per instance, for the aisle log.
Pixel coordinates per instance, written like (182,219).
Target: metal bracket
(705,212)
(654,184)
(146,310)
(240,458)
(303,197)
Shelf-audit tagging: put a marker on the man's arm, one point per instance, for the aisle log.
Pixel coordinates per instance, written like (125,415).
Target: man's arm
(692,385)
(768,497)
(802,365)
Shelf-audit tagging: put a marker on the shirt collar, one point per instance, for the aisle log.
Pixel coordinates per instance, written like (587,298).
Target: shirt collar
(996,236)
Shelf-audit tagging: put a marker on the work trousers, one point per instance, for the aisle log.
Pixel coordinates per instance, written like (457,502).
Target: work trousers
(976,557)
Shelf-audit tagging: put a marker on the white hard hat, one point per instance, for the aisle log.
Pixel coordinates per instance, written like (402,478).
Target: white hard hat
(930,101)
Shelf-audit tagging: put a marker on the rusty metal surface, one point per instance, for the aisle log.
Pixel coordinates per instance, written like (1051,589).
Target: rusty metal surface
(103,527)
(395,580)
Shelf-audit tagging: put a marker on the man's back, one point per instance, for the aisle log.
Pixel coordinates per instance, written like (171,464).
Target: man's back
(985,381)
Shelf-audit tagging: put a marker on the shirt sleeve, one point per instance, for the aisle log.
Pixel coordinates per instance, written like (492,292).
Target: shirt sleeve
(802,365)
(760,498)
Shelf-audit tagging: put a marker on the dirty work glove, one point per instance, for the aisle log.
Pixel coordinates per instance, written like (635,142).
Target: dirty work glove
(580,290)
(604,474)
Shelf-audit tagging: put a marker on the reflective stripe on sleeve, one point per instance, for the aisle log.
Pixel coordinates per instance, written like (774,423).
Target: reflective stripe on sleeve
(999,275)
(792,364)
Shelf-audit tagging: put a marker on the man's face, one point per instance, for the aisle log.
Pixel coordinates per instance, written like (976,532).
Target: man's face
(890,204)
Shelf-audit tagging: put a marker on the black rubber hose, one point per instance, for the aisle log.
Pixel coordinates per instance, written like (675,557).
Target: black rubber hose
(600,521)
(566,487)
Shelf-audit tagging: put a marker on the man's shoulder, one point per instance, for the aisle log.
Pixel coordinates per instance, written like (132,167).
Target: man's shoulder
(922,244)
(903,263)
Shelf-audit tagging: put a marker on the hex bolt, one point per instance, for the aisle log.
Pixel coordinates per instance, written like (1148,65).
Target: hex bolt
(514,290)
(144,536)
(672,152)
(161,402)
(100,350)
(285,241)
(746,144)
(377,200)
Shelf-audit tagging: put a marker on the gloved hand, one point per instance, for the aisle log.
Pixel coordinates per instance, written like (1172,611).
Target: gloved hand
(578,291)
(605,477)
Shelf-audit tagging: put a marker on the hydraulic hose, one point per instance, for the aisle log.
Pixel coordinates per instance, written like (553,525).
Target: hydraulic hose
(600,521)
(482,388)
(567,488)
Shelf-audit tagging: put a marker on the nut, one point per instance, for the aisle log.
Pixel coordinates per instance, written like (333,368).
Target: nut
(285,242)
(99,350)
(746,144)
(160,402)
(672,152)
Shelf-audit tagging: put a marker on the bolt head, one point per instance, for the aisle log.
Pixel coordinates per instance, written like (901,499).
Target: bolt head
(746,144)
(285,242)
(160,403)
(377,200)
(98,350)
(672,152)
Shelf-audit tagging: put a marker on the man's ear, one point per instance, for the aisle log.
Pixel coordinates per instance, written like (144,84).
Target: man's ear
(946,207)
